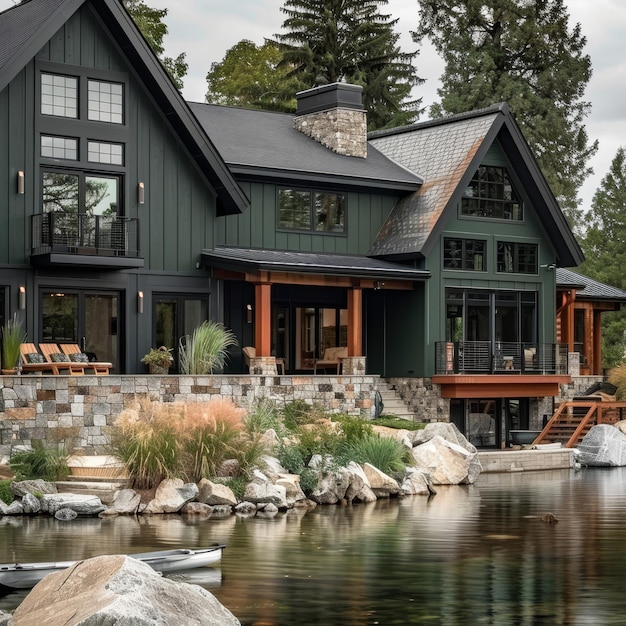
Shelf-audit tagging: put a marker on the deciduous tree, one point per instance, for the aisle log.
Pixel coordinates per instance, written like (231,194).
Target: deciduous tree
(525,53)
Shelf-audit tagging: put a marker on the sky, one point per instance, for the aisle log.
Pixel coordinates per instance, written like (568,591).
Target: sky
(206,29)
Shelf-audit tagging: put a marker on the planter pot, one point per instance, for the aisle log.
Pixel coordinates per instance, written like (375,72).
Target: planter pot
(12,372)
(158,369)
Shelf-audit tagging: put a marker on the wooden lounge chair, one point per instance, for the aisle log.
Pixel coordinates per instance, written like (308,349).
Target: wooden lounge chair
(331,359)
(27,350)
(50,350)
(99,368)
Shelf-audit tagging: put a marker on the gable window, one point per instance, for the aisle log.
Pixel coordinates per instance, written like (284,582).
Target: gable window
(59,95)
(317,211)
(105,102)
(464,254)
(517,258)
(491,194)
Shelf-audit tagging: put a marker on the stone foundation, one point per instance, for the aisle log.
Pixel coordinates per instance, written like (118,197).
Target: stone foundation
(53,408)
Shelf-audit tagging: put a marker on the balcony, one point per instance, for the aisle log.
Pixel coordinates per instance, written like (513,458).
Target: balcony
(78,239)
(486,357)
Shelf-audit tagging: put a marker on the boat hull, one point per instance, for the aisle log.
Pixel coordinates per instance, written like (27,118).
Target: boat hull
(27,575)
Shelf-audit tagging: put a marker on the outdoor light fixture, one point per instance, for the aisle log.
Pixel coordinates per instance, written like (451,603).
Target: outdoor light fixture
(141,193)
(20,182)
(249,313)
(22,297)
(140,302)
(549,267)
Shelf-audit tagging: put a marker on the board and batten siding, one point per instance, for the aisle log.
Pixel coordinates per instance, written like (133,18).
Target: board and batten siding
(258,226)
(178,217)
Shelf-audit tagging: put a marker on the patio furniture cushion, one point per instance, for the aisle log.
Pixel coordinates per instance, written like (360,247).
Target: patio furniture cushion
(59,357)
(34,357)
(331,358)
(79,357)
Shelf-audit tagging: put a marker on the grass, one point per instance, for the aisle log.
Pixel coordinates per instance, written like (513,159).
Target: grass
(206,350)
(391,421)
(40,462)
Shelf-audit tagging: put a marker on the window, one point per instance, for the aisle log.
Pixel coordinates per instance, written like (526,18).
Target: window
(517,258)
(490,194)
(311,210)
(105,102)
(59,147)
(464,254)
(59,95)
(78,192)
(104,152)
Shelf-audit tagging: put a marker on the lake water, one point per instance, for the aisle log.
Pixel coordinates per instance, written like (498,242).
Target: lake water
(469,555)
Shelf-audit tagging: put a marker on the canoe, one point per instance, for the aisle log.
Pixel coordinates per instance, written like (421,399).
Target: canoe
(27,575)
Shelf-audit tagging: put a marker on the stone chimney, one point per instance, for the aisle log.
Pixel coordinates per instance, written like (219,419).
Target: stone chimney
(333,115)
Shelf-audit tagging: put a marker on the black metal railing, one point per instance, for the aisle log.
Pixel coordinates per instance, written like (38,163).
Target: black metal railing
(79,233)
(486,357)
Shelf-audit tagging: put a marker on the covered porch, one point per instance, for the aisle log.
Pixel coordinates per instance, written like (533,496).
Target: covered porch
(294,306)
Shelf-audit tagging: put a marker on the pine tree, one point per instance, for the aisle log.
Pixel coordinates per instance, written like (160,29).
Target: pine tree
(329,41)
(522,52)
(604,245)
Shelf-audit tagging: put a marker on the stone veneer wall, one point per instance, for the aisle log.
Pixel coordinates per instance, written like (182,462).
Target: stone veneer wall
(343,131)
(50,408)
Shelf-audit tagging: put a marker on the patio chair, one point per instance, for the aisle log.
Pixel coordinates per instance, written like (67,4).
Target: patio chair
(52,353)
(331,358)
(99,368)
(249,352)
(35,362)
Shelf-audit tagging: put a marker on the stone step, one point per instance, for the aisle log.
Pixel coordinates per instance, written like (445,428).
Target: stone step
(103,490)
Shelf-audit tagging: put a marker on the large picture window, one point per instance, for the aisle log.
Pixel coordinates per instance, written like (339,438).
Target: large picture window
(317,211)
(490,194)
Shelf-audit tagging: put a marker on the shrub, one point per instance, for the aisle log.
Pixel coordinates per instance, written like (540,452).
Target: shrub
(354,428)
(292,459)
(40,462)
(384,453)
(206,349)
(263,416)
(6,495)
(237,484)
(297,413)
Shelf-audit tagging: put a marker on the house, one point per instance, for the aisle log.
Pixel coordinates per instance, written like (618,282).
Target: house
(425,253)
(109,187)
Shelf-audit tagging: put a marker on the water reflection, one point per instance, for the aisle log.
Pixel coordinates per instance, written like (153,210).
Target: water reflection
(478,554)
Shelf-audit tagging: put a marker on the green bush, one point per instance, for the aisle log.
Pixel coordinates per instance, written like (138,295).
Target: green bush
(205,351)
(40,462)
(291,457)
(6,495)
(298,413)
(263,416)
(237,484)
(384,453)
(354,428)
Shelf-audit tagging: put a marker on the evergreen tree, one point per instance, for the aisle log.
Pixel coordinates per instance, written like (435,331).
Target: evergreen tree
(253,77)
(604,245)
(329,41)
(522,52)
(150,23)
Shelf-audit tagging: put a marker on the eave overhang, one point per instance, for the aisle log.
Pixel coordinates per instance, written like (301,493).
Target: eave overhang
(500,386)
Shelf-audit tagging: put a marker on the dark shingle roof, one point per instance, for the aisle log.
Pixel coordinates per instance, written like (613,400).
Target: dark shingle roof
(240,259)
(442,154)
(265,143)
(591,289)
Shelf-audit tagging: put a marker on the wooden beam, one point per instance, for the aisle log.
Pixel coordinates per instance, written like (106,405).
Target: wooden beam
(499,386)
(263,318)
(355,321)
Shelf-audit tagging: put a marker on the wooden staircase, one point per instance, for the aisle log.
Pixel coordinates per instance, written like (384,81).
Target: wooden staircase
(574,419)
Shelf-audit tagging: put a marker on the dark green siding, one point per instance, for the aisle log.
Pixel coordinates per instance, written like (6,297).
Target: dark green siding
(178,217)
(257,227)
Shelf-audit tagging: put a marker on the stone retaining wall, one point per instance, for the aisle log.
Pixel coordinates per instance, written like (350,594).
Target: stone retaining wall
(50,408)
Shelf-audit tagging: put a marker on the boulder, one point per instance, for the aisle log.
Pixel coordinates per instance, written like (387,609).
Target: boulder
(603,446)
(126,502)
(382,484)
(267,510)
(65,515)
(293,491)
(262,490)
(416,483)
(171,495)
(118,590)
(15,508)
(82,504)
(245,509)
(37,486)
(621,426)
(447,463)
(197,508)
(30,504)
(446,430)
(359,488)
(331,486)
(272,467)
(215,493)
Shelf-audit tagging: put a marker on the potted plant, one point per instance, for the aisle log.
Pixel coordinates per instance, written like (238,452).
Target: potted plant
(159,360)
(12,337)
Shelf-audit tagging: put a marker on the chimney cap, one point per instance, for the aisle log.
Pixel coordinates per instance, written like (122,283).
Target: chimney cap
(327,97)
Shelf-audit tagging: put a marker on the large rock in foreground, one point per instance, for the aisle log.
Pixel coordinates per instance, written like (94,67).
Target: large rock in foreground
(603,446)
(447,463)
(118,590)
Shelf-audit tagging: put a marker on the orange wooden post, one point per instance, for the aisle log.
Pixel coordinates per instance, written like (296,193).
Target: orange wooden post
(355,321)
(263,318)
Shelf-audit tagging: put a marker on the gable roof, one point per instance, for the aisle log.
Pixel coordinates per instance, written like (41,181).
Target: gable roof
(587,288)
(26,27)
(446,153)
(264,144)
